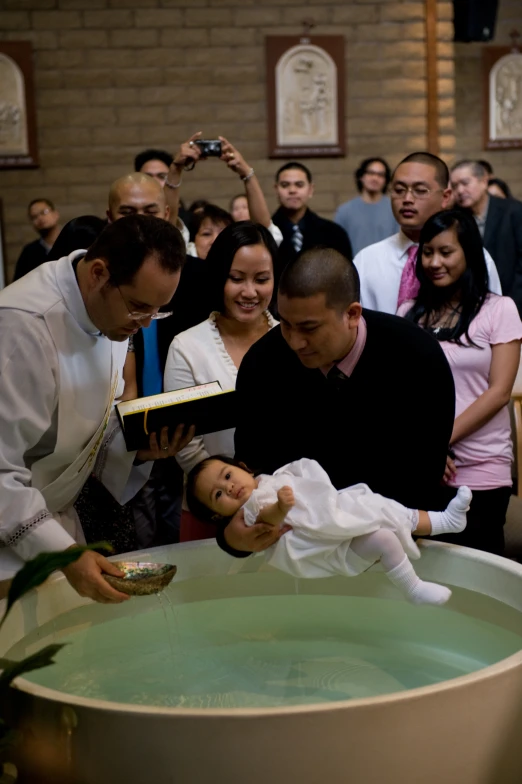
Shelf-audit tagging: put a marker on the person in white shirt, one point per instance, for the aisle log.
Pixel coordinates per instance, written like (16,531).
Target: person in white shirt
(420,187)
(242,264)
(63,341)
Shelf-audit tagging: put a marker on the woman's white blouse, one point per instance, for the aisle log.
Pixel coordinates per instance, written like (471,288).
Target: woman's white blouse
(198,356)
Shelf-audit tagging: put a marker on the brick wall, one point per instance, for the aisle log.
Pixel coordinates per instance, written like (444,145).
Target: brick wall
(115,76)
(469,100)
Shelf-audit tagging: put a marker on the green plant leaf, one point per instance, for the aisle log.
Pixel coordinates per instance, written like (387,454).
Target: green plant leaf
(36,571)
(36,661)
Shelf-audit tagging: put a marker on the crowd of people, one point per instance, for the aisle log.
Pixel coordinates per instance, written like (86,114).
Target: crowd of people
(373,358)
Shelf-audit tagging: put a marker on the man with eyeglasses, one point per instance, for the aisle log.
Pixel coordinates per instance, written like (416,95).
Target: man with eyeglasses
(420,187)
(45,220)
(368,218)
(63,342)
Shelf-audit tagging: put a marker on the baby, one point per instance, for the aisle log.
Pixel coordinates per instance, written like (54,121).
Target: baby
(333,532)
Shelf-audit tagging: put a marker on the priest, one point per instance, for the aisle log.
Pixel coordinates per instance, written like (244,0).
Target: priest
(64,329)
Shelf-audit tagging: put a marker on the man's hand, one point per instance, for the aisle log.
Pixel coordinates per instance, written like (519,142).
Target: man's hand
(233,158)
(188,154)
(285,499)
(166,448)
(85,576)
(252,538)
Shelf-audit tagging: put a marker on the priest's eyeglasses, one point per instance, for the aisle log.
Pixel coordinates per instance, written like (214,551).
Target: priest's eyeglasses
(136,315)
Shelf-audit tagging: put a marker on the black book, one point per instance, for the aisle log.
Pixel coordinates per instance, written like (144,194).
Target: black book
(207,406)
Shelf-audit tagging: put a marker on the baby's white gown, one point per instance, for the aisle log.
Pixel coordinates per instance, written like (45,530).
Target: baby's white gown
(325,520)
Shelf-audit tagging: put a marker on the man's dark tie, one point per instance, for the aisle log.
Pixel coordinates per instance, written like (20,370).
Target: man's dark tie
(337,378)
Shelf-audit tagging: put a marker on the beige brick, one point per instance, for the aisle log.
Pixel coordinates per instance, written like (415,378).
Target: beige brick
(91,78)
(255,17)
(446,68)
(138,77)
(134,38)
(79,5)
(189,76)
(15,20)
(246,74)
(61,97)
(110,96)
(40,39)
(231,37)
(88,192)
(18,5)
(164,95)
(362,89)
(159,17)
(134,115)
(125,134)
(247,112)
(83,39)
(406,87)
(69,174)
(64,137)
(108,19)
(445,87)
(447,123)
(388,107)
(56,20)
(445,31)
(402,12)
(391,31)
(65,59)
(48,80)
(135,3)
(355,14)
(180,38)
(209,17)
(445,10)
(90,117)
(294,16)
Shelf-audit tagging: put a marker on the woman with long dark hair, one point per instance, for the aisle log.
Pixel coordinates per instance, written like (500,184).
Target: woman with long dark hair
(480,334)
(241,278)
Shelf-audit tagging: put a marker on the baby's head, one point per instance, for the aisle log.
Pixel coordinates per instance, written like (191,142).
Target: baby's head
(218,487)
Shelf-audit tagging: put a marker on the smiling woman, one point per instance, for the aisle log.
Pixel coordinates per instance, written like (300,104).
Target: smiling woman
(241,268)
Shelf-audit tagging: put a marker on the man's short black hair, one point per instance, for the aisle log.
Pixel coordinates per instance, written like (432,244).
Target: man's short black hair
(487,166)
(37,201)
(361,171)
(152,155)
(294,165)
(322,271)
(441,169)
(477,169)
(125,245)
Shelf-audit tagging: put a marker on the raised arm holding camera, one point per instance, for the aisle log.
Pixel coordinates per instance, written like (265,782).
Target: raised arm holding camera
(195,149)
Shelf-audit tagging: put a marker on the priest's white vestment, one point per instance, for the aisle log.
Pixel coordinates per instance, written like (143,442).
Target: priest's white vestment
(59,378)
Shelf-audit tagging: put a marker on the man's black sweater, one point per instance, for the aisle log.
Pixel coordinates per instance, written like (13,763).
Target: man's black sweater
(389,425)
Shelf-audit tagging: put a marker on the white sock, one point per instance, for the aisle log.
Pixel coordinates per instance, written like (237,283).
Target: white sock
(416,590)
(453,519)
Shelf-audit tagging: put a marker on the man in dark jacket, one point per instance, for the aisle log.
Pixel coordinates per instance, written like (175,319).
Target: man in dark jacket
(303,229)
(499,222)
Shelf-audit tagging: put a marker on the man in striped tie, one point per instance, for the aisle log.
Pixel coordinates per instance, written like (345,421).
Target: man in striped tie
(303,229)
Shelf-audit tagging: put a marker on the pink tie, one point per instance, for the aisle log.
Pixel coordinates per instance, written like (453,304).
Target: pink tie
(409,287)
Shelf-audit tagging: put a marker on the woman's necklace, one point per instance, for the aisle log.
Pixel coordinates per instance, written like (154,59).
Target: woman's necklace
(447,319)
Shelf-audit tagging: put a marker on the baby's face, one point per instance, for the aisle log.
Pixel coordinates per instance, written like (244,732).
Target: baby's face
(224,488)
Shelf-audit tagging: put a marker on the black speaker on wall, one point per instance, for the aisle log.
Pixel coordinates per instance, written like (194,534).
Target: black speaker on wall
(474,20)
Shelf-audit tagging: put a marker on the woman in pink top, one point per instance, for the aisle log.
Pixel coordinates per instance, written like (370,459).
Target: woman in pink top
(480,334)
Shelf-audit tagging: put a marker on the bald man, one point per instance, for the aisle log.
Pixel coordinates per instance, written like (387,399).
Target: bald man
(137,194)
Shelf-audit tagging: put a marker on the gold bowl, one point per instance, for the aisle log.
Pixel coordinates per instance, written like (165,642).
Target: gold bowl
(141,579)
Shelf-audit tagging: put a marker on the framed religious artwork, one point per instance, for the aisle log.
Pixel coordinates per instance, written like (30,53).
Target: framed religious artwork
(305,96)
(502,96)
(18,147)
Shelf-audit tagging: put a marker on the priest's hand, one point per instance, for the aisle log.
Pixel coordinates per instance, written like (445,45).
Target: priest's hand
(86,577)
(252,538)
(166,448)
